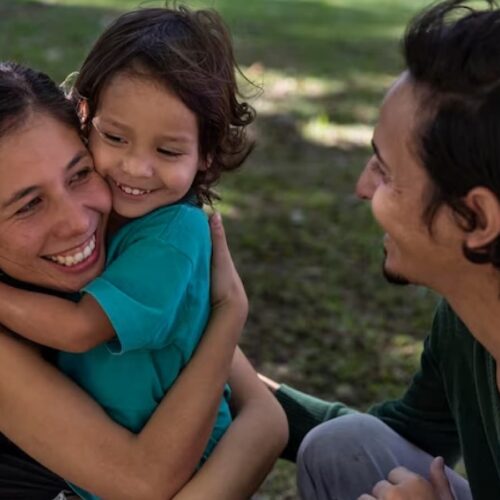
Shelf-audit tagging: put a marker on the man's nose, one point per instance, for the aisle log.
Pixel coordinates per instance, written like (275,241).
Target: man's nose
(366,184)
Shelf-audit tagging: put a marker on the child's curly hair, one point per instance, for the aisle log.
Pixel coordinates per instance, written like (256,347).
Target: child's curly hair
(190,53)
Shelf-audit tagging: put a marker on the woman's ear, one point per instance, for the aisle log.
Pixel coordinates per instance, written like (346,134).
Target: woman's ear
(486,207)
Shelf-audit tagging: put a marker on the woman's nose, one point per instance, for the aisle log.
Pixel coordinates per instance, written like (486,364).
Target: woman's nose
(72,218)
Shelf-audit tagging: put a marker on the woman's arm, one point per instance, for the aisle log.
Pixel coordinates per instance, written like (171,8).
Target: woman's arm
(58,424)
(249,448)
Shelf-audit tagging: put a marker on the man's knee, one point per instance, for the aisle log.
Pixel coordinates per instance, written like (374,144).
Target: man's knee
(340,458)
(346,439)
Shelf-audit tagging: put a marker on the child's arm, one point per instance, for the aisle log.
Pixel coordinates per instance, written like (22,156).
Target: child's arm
(250,446)
(53,321)
(56,423)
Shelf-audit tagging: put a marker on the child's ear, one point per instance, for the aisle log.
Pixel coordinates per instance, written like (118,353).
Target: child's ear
(82,109)
(486,207)
(205,163)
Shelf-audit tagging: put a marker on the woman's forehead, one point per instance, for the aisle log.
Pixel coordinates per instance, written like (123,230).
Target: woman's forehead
(41,147)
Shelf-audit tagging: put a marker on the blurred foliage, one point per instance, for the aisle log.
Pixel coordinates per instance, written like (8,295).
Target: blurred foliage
(322,318)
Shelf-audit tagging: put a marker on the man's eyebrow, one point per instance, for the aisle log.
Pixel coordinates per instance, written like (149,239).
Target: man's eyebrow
(18,195)
(376,152)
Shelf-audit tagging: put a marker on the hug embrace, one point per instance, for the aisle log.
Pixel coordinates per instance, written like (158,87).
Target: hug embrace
(122,308)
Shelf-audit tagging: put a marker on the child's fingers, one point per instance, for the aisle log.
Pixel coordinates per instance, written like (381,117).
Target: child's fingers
(439,480)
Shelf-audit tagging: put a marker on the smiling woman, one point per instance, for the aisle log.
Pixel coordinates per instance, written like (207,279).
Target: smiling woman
(53,215)
(52,208)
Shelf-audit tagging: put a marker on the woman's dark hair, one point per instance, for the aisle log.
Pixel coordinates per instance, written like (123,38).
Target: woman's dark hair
(452,52)
(24,91)
(191,54)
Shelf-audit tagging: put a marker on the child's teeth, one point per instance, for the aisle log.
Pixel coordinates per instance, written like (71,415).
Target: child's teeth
(132,191)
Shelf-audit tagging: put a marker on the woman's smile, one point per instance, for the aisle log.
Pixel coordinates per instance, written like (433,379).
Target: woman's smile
(84,254)
(54,206)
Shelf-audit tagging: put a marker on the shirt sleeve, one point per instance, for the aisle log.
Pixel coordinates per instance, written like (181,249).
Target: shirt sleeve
(142,292)
(304,412)
(422,415)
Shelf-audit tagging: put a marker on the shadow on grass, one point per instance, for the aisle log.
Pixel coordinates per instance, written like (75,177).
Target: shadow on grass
(302,37)
(49,37)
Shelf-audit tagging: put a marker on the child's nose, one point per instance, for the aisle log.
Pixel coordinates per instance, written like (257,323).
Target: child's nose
(137,166)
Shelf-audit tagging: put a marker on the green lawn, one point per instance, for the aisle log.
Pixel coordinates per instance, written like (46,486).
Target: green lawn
(322,318)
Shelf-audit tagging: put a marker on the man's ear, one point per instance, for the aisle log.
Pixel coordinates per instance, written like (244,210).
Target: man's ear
(486,207)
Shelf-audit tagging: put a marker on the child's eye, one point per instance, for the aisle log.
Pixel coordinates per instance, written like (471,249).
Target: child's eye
(29,207)
(116,139)
(112,138)
(168,152)
(81,175)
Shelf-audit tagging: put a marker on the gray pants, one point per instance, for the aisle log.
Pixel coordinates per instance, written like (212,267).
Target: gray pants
(345,457)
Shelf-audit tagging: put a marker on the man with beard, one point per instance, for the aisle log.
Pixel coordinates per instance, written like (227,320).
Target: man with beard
(433,182)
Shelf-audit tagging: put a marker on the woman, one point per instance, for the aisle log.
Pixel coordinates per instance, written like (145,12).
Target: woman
(44,164)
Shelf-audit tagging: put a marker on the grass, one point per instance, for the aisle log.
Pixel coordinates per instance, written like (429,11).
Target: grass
(322,318)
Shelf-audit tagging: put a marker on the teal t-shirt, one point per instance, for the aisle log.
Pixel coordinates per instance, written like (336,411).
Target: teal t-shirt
(155,290)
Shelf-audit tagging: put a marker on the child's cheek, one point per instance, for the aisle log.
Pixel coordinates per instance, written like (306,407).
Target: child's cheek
(101,159)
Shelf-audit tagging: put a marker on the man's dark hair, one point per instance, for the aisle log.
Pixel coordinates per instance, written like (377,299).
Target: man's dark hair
(452,53)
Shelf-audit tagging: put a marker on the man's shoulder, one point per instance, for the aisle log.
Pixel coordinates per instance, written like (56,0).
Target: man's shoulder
(449,333)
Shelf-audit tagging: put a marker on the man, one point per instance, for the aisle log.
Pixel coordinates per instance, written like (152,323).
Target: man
(434,187)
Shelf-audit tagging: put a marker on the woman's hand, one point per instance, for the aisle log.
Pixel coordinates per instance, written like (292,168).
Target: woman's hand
(403,484)
(250,446)
(227,288)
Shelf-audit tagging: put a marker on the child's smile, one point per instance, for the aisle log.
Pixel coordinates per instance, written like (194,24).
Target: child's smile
(146,149)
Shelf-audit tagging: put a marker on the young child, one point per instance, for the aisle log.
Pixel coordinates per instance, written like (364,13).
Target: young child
(158,101)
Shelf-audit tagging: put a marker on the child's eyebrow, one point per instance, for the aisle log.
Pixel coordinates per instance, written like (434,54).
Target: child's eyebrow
(181,138)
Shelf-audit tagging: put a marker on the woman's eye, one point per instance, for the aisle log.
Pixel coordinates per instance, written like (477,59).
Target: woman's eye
(29,207)
(81,175)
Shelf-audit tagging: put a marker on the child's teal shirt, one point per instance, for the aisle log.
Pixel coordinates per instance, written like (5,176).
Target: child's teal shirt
(155,290)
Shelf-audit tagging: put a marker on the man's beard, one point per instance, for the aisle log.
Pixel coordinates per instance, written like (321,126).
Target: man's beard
(391,277)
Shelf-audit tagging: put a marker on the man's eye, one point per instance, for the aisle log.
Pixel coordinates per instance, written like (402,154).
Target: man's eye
(30,206)
(376,167)
(81,175)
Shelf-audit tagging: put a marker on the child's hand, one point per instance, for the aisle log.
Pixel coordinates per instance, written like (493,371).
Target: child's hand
(227,288)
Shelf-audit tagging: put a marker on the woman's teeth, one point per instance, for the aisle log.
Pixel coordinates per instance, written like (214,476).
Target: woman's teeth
(72,260)
(131,190)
